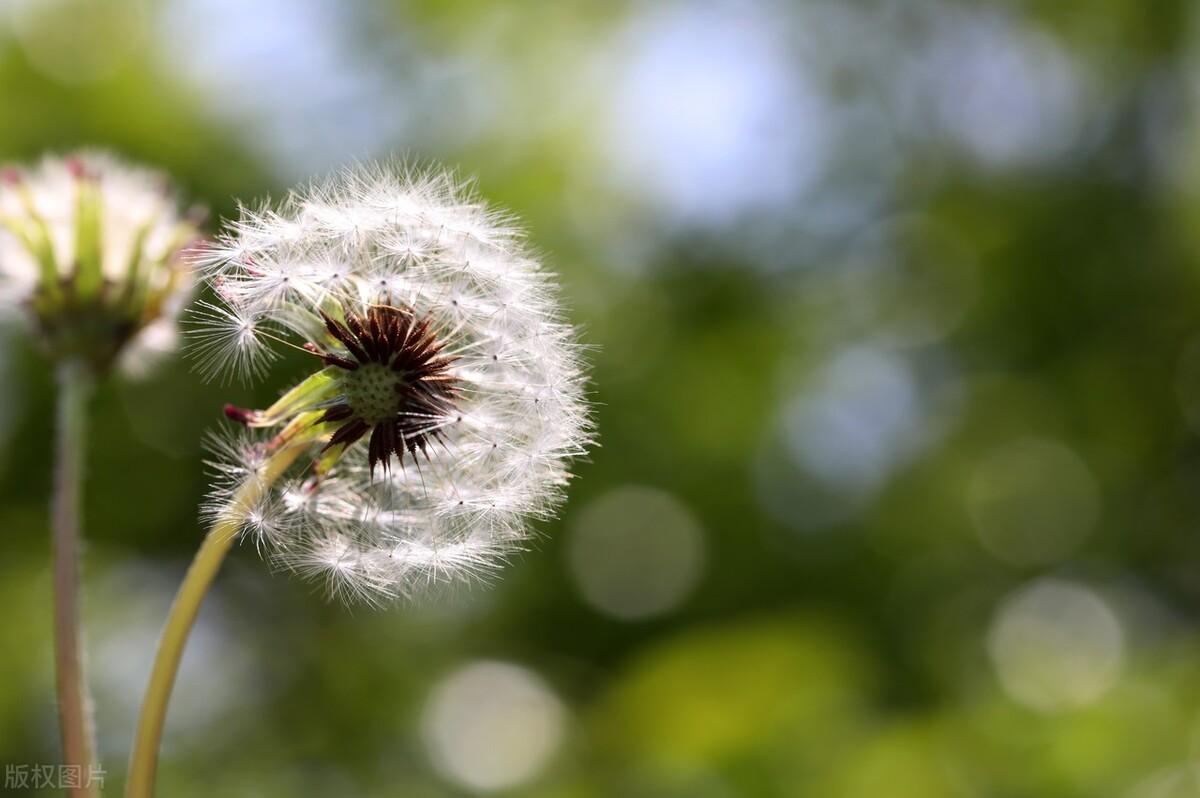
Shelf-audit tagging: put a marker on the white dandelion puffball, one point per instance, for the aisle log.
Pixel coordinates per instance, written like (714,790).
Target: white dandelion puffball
(446,397)
(90,254)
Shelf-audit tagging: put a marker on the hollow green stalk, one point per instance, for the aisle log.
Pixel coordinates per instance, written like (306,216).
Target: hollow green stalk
(74,703)
(143,761)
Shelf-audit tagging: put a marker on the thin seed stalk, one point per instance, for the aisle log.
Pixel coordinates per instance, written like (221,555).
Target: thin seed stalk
(74,702)
(143,761)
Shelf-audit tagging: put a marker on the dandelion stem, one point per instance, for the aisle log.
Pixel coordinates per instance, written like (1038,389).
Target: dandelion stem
(144,759)
(74,702)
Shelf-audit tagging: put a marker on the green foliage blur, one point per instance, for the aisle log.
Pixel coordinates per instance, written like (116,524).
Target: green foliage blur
(895,316)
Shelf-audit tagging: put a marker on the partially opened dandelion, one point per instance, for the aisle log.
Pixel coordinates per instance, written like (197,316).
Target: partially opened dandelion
(90,260)
(442,410)
(90,256)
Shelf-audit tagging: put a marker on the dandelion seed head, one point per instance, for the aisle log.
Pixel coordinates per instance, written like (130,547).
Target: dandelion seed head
(447,395)
(91,255)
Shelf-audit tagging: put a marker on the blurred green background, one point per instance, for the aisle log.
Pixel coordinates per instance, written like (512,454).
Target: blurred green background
(896,318)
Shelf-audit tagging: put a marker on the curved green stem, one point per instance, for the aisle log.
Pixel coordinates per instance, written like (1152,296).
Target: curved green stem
(74,702)
(143,761)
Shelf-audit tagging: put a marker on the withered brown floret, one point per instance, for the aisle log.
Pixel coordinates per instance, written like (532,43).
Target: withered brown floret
(389,349)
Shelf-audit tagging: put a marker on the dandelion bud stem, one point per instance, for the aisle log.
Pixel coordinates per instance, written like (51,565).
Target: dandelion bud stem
(143,760)
(74,702)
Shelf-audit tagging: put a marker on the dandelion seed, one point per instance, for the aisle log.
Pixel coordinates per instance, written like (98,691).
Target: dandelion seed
(228,341)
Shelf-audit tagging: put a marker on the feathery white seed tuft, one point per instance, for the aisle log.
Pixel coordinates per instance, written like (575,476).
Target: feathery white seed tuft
(435,333)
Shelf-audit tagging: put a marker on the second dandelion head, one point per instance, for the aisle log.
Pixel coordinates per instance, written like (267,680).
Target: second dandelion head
(90,254)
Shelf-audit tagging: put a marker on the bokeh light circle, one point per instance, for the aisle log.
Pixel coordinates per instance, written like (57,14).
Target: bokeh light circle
(1033,502)
(492,726)
(636,552)
(1056,645)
